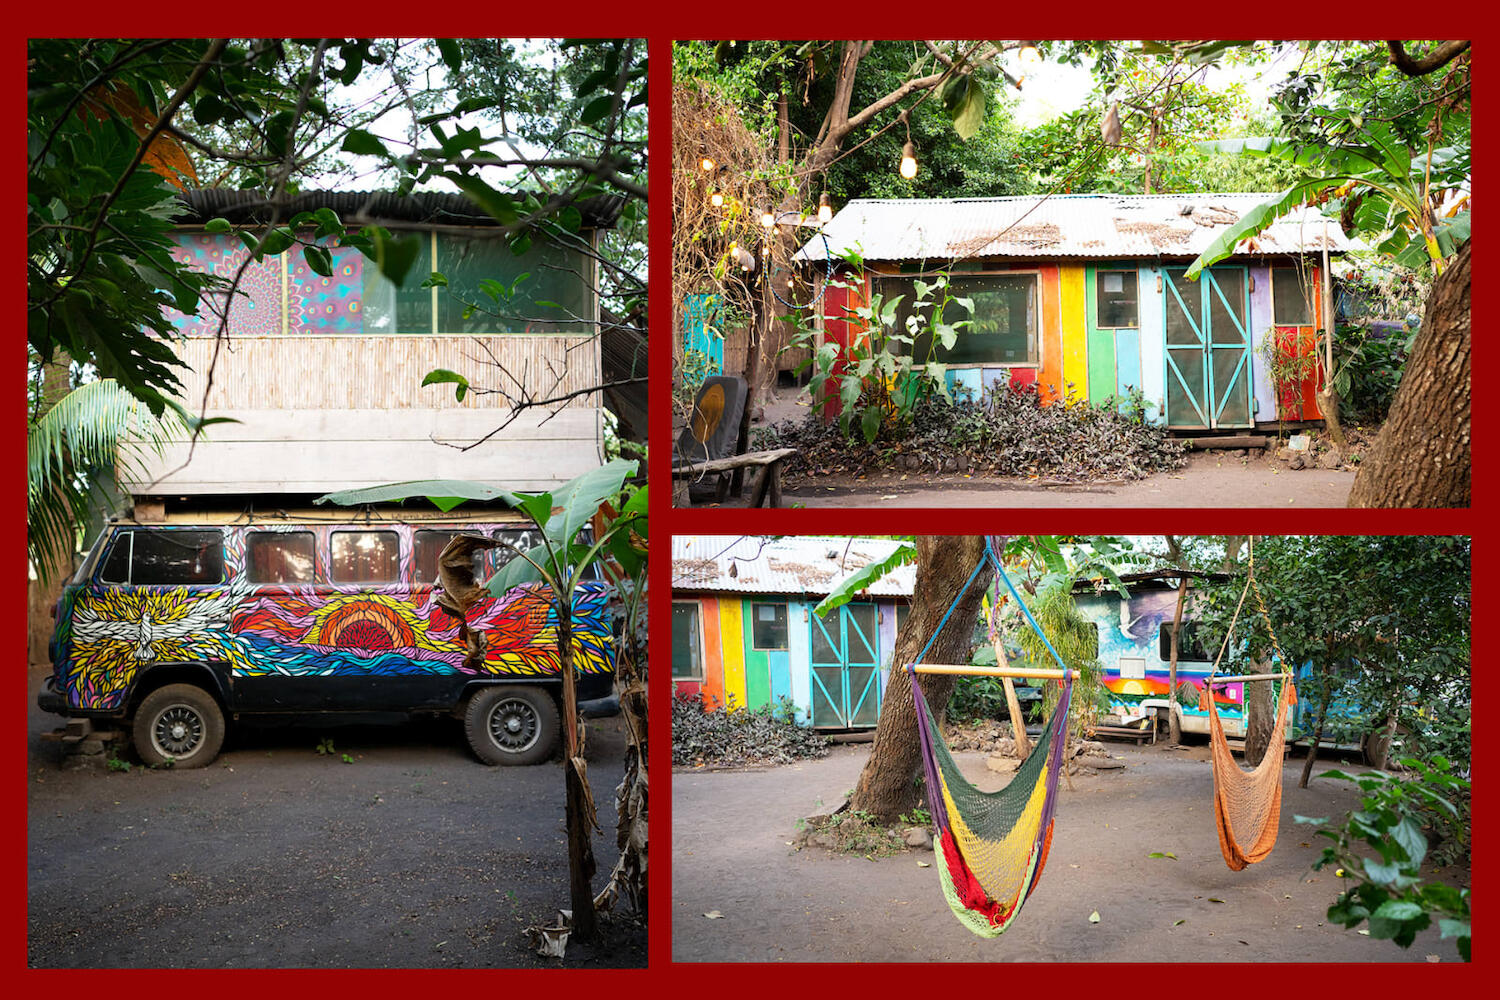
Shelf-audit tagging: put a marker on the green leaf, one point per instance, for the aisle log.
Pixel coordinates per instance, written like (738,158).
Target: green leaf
(496,204)
(1394,909)
(1162,854)
(318,259)
(563,513)
(440,376)
(846,589)
(448,49)
(428,488)
(217,226)
(1380,873)
(362,143)
(596,109)
(394,255)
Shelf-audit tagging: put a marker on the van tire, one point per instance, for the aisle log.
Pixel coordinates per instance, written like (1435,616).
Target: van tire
(512,725)
(179,725)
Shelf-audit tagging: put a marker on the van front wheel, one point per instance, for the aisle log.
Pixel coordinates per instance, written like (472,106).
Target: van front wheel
(512,725)
(180,725)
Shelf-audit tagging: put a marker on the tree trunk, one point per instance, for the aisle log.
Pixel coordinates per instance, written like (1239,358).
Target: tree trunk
(887,785)
(1317,734)
(1421,458)
(43,594)
(1174,724)
(1260,718)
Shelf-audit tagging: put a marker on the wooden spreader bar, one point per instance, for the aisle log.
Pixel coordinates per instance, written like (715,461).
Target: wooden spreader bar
(962,668)
(1234,678)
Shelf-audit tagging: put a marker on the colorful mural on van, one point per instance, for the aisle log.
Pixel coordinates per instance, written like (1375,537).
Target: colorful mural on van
(108,633)
(1136,675)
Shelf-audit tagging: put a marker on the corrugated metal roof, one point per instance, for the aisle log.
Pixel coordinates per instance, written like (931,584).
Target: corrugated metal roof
(1079,225)
(435,207)
(801,564)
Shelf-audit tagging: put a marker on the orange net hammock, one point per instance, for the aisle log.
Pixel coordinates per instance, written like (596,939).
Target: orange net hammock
(1247,804)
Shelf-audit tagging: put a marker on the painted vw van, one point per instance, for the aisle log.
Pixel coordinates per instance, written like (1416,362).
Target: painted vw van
(177,627)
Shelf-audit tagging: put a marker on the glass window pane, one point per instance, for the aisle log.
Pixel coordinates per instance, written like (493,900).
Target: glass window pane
(388,308)
(547,289)
(366,557)
(1004,322)
(1116,292)
(428,545)
(1290,294)
(166,558)
(279,557)
(687,659)
(769,626)
(116,567)
(1190,647)
(1226,306)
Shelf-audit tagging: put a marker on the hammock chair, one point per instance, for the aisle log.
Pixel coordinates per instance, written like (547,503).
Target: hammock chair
(1247,804)
(991,846)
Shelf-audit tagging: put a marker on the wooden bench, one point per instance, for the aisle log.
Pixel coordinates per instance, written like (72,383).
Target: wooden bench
(1126,732)
(767,481)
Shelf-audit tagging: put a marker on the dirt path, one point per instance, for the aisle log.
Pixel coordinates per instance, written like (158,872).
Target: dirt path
(731,854)
(1223,479)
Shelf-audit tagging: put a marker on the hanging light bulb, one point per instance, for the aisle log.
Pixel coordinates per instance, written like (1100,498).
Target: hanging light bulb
(825,208)
(767,217)
(716,199)
(908,161)
(1031,56)
(704,160)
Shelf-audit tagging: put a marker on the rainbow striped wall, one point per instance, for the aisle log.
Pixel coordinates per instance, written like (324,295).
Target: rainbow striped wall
(738,675)
(1063,370)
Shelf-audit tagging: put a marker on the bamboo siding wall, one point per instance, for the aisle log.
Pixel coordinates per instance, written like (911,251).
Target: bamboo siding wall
(361,372)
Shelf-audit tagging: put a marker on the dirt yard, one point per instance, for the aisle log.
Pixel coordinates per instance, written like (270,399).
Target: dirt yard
(1210,479)
(731,856)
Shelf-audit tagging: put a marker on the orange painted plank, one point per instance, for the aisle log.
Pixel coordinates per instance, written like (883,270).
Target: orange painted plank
(713,655)
(1051,373)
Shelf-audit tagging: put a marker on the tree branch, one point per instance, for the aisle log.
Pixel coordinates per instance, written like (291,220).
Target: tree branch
(1436,59)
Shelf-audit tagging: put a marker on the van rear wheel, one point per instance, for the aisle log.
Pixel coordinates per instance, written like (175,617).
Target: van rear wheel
(512,725)
(180,725)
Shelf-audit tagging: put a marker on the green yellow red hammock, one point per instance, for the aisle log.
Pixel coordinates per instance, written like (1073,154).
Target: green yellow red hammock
(991,847)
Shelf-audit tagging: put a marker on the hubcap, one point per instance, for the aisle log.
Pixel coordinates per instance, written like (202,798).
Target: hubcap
(514,725)
(178,731)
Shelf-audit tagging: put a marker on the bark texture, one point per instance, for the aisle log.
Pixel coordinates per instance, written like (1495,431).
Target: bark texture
(1260,719)
(1421,458)
(887,786)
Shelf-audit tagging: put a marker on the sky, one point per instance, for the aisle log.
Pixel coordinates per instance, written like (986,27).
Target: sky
(1055,88)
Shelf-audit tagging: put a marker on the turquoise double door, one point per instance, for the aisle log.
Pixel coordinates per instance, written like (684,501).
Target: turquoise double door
(845,653)
(1208,378)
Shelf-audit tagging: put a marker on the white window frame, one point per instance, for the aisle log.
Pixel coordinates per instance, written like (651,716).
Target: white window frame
(1041,328)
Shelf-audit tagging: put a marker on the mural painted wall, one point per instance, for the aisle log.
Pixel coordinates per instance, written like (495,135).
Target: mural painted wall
(107,634)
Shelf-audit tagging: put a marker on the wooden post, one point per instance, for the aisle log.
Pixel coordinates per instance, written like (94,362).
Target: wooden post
(1013,705)
(1174,725)
(579,814)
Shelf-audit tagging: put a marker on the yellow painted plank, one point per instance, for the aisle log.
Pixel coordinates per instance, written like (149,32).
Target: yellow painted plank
(732,635)
(1074,332)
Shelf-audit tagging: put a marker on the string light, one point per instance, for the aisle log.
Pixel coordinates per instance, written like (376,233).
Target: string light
(716,199)
(1031,56)
(908,161)
(704,160)
(825,208)
(908,151)
(767,217)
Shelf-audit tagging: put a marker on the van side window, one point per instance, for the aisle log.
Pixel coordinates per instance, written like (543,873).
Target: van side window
(429,544)
(279,556)
(366,557)
(162,558)
(521,538)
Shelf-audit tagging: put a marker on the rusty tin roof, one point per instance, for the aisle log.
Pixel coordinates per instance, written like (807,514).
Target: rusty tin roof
(803,564)
(1077,225)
